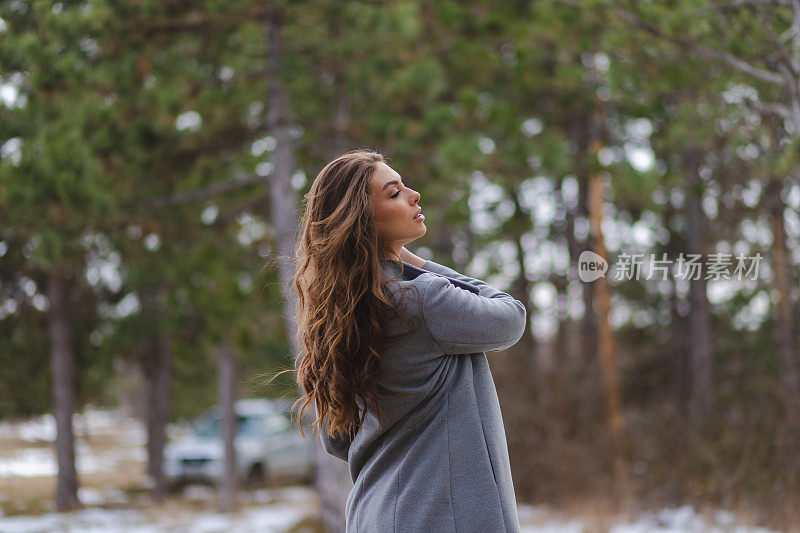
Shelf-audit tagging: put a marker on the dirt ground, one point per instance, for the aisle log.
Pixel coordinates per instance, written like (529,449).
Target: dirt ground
(114,491)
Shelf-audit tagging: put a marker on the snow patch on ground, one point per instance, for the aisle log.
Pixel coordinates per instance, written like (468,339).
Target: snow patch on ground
(42,428)
(262,510)
(29,462)
(540,519)
(91,496)
(39,461)
(293,505)
(684,520)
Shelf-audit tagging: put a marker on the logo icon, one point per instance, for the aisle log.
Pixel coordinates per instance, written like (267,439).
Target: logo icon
(591,266)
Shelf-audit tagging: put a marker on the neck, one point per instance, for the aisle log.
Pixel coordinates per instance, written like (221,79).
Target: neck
(394,253)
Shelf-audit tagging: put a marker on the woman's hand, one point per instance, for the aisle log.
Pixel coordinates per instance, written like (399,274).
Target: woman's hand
(410,258)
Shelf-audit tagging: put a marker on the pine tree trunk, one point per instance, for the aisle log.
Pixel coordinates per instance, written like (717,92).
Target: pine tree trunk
(518,382)
(608,348)
(607,344)
(157,371)
(589,371)
(790,380)
(679,346)
(561,366)
(226,374)
(63,390)
(283,197)
(341,116)
(332,478)
(561,362)
(521,289)
(700,320)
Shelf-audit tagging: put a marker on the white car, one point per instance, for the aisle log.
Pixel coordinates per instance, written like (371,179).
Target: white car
(268,447)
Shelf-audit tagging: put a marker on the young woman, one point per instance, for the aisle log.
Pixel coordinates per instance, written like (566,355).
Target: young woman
(393,359)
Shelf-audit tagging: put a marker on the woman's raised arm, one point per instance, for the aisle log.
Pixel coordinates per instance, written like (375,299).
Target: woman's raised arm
(461,321)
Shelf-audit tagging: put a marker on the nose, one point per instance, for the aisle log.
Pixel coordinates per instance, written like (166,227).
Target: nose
(415,196)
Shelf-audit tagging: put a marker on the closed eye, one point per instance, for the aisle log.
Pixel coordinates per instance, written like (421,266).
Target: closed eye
(395,194)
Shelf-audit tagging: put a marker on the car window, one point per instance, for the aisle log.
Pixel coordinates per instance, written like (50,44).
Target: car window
(252,425)
(208,427)
(248,426)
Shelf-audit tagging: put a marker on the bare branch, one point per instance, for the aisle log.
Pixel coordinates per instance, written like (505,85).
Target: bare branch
(259,204)
(777,43)
(736,6)
(202,193)
(706,52)
(795,33)
(777,109)
(763,108)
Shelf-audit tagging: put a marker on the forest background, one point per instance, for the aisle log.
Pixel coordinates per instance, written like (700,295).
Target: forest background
(154,155)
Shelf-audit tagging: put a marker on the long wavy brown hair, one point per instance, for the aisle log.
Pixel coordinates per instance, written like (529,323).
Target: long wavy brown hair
(342,298)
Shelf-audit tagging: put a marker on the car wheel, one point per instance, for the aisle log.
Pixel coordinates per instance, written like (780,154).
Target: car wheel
(175,486)
(311,476)
(257,476)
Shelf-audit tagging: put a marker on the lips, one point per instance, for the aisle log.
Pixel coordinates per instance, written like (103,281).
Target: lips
(419,216)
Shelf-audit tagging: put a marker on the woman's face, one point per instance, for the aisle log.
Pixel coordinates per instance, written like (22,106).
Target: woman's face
(396,208)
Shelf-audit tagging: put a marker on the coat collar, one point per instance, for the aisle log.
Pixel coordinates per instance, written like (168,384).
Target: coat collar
(406,272)
(392,270)
(409,272)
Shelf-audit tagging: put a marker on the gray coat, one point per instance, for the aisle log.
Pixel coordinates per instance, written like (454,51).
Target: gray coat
(439,462)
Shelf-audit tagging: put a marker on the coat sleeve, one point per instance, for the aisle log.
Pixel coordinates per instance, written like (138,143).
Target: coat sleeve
(463,322)
(483,288)
(338,447)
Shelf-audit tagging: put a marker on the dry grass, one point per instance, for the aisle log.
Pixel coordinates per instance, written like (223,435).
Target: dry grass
(111,458)
(34,493)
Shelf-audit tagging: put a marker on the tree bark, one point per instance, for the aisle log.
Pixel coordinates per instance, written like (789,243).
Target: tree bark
(332,477)
(679,346)
(790,378)
(700,321)
(588,369)
(283,198)
(562,364)
(680,356)
(343,108)
(62,366)
(157,371)
(607,344)
(226,375)
(521,289)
